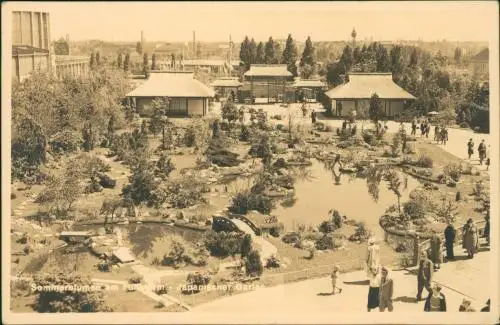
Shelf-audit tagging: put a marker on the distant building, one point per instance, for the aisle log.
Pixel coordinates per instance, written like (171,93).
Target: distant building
(70,65)
(308,90)
(480,63)
(30,43)
(355,95)
(216,68)
(188,96)
(272,82)
(225,87)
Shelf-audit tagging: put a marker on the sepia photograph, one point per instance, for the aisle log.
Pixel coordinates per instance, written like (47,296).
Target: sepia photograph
(250,162)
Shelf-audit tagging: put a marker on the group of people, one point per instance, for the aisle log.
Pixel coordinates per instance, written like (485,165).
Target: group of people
(381,285)
(440,132)
(481,149)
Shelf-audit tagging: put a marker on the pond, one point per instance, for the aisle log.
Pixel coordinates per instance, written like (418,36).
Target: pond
(319,193)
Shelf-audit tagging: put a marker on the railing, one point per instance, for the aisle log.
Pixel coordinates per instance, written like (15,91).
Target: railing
(223,222)
(287,277)
(255,229)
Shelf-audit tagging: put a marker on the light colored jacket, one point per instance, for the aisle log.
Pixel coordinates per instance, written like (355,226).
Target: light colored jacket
(386,289)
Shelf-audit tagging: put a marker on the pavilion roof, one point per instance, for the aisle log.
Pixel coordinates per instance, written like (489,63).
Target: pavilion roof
(172,85)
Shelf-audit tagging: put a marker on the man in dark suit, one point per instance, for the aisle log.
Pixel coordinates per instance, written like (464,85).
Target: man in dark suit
(449,235)
(424,277)
(386,291)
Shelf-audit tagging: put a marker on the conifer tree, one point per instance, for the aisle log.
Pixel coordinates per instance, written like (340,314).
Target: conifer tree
(270,51)
(289,56)
(260,57)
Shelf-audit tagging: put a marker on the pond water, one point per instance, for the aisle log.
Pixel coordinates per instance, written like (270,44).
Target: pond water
(319,193)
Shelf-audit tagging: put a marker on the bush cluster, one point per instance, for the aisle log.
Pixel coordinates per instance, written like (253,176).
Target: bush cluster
(247,201)
(222,244)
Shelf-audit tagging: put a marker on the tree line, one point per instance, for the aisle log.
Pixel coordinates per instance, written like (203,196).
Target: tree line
(270,52)
(436,80)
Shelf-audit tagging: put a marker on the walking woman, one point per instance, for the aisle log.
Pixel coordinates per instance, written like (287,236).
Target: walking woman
(374,290)
(482,151)
(470,238)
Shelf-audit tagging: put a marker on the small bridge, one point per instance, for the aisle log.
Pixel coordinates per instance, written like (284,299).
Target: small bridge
(235,222)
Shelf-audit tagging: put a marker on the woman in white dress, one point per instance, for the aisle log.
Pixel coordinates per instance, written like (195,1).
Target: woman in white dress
(372,257)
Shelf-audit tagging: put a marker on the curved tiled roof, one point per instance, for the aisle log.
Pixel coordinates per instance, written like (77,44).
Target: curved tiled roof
(227,82)
(364,85)
(172,85)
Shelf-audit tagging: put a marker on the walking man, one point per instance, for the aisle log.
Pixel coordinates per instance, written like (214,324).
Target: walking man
(482,151)
(470,148)
(386,291)
(414,127)
(449,235)
(313,117)
(424,277)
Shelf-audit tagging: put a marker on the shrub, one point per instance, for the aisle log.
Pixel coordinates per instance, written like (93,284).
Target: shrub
(464,125)
(425,161)
(195,281)
(222,244)
(217,154)
(291,238)
(280,163)
(28,249)
(337,219)
(326,227)
(245,133)
(312,252)
(246,245)
(247,201)
(361,233)
(190,137)
(458,196)
(277,117)
(164,166)
(161,289)
(65,141)
(272,262)
(253,264)
(454,171)
(479,189)
(136,279)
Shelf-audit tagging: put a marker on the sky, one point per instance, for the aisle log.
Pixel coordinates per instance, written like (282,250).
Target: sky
(323,21)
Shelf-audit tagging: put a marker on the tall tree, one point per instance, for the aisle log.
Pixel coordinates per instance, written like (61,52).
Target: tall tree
(98,59)
(245,53)
(414,58)
(145,60)
(92,61)
(289,56)
(260,57)
(458,56)
(334,72)
(138,47)
(252,52)
(119,60)
(357,55)
(346,60)
(397,63)
(270,51)
(153,61)
(126,62)
(277,53)
(308,54)
(375,111)
(383,62)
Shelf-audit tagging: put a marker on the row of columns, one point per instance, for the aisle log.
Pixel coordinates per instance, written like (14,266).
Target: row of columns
(73,69)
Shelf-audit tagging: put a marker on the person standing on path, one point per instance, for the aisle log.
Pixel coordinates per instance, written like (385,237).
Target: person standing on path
(414,127)
(436,301)
(313,117)
(386,291)
(374,289)
(335,276)
(372,257)
(449,235)
(436,254)
(470,238)
(482,151)
(422,129)
(486,233)
(470,148)
(424,277)
(436,133)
